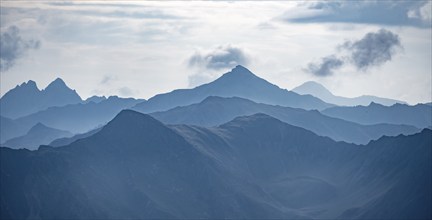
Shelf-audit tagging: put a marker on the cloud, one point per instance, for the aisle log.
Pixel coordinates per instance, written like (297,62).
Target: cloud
(221,57)
(326,67)
(423,12)
(126,92)
(373,49)
(107,79)
(13,47)
(364,12)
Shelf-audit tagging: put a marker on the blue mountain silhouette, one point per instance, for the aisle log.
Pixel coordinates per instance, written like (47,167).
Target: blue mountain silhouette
(239,82)
(26,98)
(251,167)
(319,91)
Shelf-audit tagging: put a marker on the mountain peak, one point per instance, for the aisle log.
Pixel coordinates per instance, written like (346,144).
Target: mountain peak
(312,88)
(239,69)
(30,85)
(257,119)
(374,104)
(38,128)
(57,83)
(128,120)
(238,72)
(39,125)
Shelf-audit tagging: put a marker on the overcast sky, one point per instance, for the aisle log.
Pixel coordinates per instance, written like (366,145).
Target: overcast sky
(140,49)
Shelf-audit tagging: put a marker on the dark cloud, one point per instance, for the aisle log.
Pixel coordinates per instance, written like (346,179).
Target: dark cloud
(220,58)
(13,47)
(373,49)
(326,66)
(366,12)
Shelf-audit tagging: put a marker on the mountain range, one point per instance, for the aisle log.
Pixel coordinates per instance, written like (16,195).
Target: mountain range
(319,91)
(251,167)
(10,129)
(78,118)
(218,110)
(239,82)
(419,115)
(26,98)
(37,135)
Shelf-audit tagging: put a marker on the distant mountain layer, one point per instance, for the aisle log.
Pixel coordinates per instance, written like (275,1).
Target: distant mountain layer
(95,99)
(319,91)
(79,118)
(217,110)
(26,98)
(252,167)
(37,135)
(68,140)
(238,82)
(419,115)
(9,129)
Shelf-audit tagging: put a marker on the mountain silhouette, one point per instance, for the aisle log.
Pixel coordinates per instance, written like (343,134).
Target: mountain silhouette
(37,135)
(79,118)
(238,82)
(217,110)
(140,168)
(68,140)
(26,98)
(251,167)
(419,115)
(319,91)
(95,99)
(10,129)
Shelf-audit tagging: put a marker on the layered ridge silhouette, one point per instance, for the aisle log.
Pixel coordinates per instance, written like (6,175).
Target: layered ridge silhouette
(26,98)
(419,115)
(217,110)
(319,91)
(238,82)
(251,167)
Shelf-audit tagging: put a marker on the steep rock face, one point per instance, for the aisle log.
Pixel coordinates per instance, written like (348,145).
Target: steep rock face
(319,91)
(26,98)
(419,115)
(238,82)
(217,110)
(251,167)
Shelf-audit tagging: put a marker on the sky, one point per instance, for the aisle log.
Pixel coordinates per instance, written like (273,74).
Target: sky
(140,49)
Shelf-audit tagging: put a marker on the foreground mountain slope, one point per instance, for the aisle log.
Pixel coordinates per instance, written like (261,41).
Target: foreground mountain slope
(238,82)
(217,110)
(134,167)
(37,135)
(319,91)
(251,167)
(386,179)
(419,115)
(26,98)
